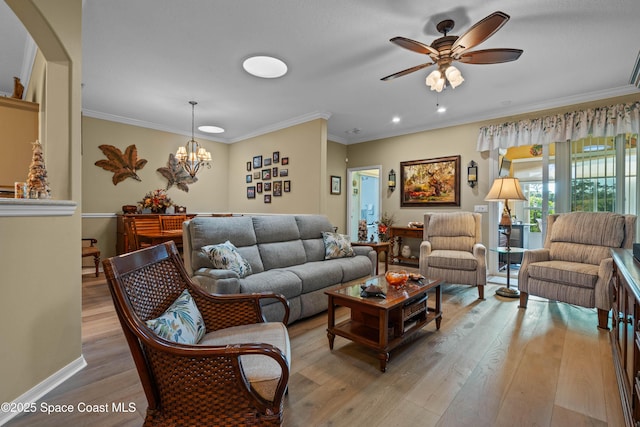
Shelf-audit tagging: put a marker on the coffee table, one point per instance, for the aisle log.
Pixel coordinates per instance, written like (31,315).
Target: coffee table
(382,324)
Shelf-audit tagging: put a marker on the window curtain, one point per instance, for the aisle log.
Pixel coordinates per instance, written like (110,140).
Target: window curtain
(597,122)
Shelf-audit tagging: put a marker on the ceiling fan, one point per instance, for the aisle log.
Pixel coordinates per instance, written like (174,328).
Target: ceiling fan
(447,49)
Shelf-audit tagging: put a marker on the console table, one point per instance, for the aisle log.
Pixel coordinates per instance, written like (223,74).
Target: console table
(395,236)
(121,243)
(625,332)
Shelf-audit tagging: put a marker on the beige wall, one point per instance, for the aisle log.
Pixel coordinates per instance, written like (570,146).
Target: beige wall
(303,144)
(337,204)
(100,195)
(40,256)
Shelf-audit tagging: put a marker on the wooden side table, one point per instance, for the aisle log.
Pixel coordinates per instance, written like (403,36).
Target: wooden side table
(378,247)
(395,236)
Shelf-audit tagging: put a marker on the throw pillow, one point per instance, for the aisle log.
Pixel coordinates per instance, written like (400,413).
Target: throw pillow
(181,322)
(336,245)
(225,256)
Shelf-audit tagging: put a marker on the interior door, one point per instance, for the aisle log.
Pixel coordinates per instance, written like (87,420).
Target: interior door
(363,195)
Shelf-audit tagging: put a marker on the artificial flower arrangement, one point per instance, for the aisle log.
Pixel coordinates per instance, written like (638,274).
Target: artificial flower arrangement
(384,223)
(156,200)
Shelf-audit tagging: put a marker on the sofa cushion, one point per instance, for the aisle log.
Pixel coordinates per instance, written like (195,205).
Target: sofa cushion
(181,322)
(353,267)
(275,228)
(452,260)
(317,275)
(262,372)
(565,272)
(282,254)
(225,256)
(336,245)
(577,252)
(213,230)
(278,281)
(311,228)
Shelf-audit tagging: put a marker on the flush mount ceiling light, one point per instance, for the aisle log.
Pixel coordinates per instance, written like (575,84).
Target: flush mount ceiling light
(210,129)
(266,67)
(396,119)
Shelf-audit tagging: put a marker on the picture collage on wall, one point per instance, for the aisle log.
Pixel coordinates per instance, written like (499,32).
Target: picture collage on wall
(264,174)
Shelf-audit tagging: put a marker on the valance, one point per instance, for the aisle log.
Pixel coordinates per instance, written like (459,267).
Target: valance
(597,122)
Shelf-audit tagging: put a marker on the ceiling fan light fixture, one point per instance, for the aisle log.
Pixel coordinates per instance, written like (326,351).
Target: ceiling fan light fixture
(454,76)
(435,81)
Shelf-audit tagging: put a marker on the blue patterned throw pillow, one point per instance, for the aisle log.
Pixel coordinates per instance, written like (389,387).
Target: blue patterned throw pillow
(181,322)
(225,256)
(336,245)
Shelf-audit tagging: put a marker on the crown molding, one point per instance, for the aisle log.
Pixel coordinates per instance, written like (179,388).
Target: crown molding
(284,124)
(37,207)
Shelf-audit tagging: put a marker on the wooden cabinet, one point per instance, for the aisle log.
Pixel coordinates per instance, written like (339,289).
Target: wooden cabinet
(396,234)
(625,332)
(121,243)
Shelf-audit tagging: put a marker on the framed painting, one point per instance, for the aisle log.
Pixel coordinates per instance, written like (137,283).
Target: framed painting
(286,186)
(336,183)
(277,188)
(257,162)
(430,182)
(251,192)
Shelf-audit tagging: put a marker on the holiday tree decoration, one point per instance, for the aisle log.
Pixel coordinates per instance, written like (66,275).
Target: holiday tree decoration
(37,183)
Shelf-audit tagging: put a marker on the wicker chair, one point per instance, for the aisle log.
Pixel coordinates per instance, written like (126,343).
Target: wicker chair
(92,251)
(231,377)
(172,222)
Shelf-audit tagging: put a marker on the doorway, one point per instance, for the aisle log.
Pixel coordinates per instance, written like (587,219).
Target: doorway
(363,200)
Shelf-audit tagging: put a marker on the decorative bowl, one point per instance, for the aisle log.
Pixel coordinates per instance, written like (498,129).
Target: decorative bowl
(397,279)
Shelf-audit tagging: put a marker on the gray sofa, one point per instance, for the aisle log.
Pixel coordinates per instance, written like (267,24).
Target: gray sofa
(286,254)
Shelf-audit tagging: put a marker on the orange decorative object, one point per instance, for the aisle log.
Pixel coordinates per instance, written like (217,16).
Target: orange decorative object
(397,279)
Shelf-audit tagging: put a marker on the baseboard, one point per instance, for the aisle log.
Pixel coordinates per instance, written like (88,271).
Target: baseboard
(45,387)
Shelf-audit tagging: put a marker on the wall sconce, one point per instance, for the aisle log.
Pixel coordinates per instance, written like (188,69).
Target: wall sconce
(392,180)
(472,174)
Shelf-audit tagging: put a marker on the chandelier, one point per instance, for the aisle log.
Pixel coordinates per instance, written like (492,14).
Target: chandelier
(192,156)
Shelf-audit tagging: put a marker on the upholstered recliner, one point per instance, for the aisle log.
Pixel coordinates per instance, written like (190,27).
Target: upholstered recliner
(452,249)
(575,265)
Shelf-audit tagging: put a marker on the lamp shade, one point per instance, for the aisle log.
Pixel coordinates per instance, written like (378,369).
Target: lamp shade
(505,188)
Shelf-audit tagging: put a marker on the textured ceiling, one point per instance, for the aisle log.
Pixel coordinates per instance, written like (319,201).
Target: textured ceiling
(144,60)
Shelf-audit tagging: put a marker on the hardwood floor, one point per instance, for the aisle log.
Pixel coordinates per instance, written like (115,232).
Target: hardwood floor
(490,364)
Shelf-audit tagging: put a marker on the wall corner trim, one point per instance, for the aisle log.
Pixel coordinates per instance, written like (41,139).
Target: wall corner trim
(37,207)
(44,387)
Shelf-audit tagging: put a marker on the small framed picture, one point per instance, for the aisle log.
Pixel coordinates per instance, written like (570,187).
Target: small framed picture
(257,162)
(274,172)
(285,161)
(284,172)
(251,192)
(259,187)
(248,166)
(267,198)
(256,175)
(276,157)
(267,161)
(336,184)
(248,178)
(277,188)
(286,186)
(266,174)
(267,186)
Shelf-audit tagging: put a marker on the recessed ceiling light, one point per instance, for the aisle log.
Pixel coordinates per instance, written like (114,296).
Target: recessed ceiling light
(266,67)
(396,119)
(210,129)
(441,108)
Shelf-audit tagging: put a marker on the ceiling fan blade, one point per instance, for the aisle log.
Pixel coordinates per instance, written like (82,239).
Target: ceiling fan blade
(481,31)
(490,56)
(414,46)
(405,72)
